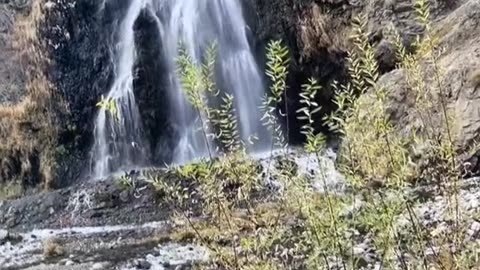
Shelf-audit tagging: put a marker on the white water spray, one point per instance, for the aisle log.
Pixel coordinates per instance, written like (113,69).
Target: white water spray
(196,23)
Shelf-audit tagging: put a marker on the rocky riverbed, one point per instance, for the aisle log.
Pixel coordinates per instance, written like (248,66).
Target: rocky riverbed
(104,225)
(94,225)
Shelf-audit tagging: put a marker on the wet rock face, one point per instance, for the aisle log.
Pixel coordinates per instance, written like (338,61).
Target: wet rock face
(150,87)
(82,67)
(81,39)
(85,205)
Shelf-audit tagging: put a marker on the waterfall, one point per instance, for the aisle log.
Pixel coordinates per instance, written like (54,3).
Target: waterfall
(196,23)
(118,138)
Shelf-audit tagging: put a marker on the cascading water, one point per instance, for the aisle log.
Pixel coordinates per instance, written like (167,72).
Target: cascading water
(118,135)
(195,23)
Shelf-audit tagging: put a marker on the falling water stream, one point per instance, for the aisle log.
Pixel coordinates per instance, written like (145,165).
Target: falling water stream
(119,144)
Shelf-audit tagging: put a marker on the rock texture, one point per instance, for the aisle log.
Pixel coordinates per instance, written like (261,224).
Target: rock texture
(88,204)
(12,79)
(93,225)
(52,128)
(460,64)
(81,36)
(317,32)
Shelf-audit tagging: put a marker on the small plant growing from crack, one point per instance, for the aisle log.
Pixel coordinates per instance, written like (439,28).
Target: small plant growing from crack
(52,248)
(128,181)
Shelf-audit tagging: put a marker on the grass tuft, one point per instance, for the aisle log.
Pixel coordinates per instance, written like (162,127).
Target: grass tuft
(52,248)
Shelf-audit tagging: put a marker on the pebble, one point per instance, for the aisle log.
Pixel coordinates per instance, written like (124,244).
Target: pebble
(474,229)
(99,266)
(150,257)
(472,202)
(124,196)
(432,251)
(475,226)
(352,209)
(3,236)
(49,5)
(359,250)
(142,264)
(6,236)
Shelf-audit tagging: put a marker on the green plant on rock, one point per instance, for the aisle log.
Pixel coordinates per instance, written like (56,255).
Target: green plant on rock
(224,118)
(375,150)
(371,142)
(315,220)
(192,84)
(442,151)
(198,82)
(314,142)
(126,181)
(165,183)
(208,70)
(228,182)
(305,228)
(109,105)
(226,123)
(12,190)
(277,71)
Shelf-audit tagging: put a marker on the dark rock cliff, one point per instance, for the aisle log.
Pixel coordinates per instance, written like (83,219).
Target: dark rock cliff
(81,39)
(315,33)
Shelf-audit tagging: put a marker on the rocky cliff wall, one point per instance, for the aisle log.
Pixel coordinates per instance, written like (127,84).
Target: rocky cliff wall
(63,51)
(12,79)
(317,33)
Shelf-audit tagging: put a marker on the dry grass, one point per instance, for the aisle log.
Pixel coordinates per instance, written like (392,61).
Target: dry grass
(52,248)
(11,190)
(320,31)
(28,130)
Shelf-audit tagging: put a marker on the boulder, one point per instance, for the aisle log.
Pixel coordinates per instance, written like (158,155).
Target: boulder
(459,64)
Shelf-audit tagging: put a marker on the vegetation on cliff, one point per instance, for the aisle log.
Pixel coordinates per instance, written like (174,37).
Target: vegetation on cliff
(29,129)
